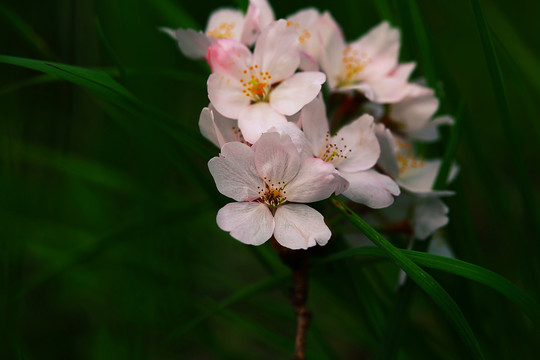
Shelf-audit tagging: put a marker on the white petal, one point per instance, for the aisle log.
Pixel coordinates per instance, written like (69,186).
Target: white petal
(387,161)
(414,112)
(332,50)
(308,62)
(364,88)
(389,90)
(299,227)
(276,51)
(420,179)
(233,19)
(234,172)
(439,247)
(218,128)
(430,214)
(315,123)
(258,118)
(193,44)
(359,136)
(276,158)
(297,136)
(292,94)
(249,222)
(169,31)
(370,188)
(429,132)
(258,17)
(208,127)
(229,57)
(226,95)
(315,181)
(381,45)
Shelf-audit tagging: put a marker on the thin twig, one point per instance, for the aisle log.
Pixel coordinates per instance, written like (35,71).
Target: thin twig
(297,260)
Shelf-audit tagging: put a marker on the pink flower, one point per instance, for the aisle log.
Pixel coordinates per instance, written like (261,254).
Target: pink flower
(270,183)
(224,24)
(412,117)
(369,65)
(260,89)
(353,151)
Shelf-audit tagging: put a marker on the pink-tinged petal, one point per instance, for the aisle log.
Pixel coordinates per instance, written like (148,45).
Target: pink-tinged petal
(249,222)
(438,246)
(229,57)
(370,188)
(365,89)
(258,118)
(276,158)
(387,160)
(226,95)
(429,132)
(218,128)
(291,95)
(381,45)
(315,123)
(193,44)
(403,71)
(276,51)
(169,31)
(420,179)
(332,51)
(225,24)
(362,142)
(298,226)
(208,127)
(259,16)
(234,172)
(306,25)
(297,136)
(414,112)
(389,90)
(316,181)
(308,62)
(429,215)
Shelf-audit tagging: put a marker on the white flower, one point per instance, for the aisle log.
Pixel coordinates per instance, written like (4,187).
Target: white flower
(353,151)
(224,24)
(369,65)
(412,173)
(412,116)
(270,183)
(260,89)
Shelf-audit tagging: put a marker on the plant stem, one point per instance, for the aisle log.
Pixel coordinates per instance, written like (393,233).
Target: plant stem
(297,261)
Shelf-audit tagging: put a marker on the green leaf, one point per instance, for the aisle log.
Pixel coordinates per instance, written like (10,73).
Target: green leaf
(423,279)
(502,103)
(457,267)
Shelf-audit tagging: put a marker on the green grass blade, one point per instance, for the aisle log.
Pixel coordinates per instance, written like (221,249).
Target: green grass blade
(457,267)
(27,32)
(441,180)
(384,9)
(501,99)
(423,279)
(107,88)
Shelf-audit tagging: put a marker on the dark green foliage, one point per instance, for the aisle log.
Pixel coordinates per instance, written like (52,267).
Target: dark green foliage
(108,243)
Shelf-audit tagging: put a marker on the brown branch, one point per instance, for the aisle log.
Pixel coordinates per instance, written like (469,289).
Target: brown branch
(297,260)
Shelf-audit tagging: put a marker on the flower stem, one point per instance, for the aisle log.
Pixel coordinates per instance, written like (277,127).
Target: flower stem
(297,260)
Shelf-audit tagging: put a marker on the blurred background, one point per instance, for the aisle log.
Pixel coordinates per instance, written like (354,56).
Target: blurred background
(108,243)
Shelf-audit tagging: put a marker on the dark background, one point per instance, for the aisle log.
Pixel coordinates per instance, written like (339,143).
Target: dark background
(108,242)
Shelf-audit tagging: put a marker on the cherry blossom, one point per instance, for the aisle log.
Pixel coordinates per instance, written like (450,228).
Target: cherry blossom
(369,65)
(353,151)
(260,89)
(271,182)
(412,117)
(224,24)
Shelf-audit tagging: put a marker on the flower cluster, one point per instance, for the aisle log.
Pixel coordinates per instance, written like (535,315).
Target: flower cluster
(278,148)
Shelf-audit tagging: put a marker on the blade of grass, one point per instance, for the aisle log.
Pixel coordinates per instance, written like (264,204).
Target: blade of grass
(441,180)
(384,9)
(27,32)
(457,267)
(502,103)
(423,279)
(105,87)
